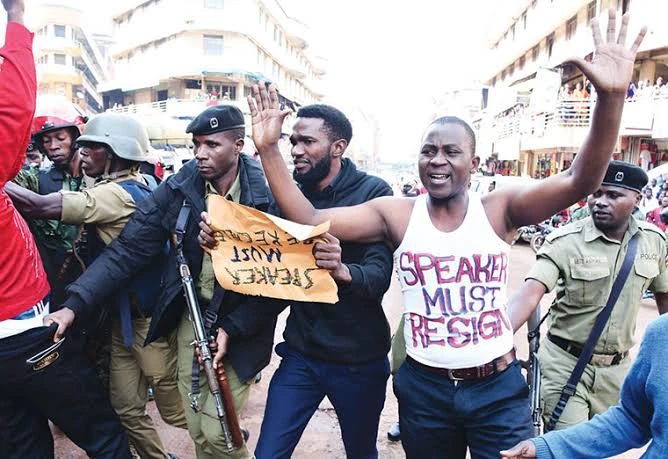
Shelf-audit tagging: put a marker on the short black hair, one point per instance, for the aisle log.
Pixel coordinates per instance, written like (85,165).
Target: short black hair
(235,134)
(442,121)
(335,122)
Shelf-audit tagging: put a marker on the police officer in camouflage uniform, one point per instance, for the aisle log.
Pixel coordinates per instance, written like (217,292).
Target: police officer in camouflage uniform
(582,260)
(111,151)
(55,137)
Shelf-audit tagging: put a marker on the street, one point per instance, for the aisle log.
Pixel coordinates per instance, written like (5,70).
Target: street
(322,436)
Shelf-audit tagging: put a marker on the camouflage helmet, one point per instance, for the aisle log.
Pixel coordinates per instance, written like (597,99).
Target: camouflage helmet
(123,134)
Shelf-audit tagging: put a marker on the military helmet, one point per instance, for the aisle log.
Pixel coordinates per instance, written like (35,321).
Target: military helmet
(123,134)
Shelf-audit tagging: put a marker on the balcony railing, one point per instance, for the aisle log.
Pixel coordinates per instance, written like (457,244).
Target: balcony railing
(642,116)
(178,108)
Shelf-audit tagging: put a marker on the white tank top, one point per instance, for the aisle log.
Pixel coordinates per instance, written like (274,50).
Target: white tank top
(455,289)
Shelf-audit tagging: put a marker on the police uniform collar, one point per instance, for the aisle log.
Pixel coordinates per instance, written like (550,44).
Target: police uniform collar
(592,232)
(115,176)
(232,194)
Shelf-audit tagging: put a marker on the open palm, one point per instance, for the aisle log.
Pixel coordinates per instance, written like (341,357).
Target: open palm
(611,69)
(266,116)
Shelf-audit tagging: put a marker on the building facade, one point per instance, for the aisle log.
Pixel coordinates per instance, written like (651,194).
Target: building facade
(539,112)
(67,58)
(171,49)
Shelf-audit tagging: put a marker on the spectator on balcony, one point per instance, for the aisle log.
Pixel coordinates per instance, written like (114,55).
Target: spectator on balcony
(226,96)
(655,215)
(659,87)
(645,158)
(631,91)
(566,92)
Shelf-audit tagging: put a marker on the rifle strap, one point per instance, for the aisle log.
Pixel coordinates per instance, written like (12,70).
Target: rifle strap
(181,222)
(601,320)
(211,313)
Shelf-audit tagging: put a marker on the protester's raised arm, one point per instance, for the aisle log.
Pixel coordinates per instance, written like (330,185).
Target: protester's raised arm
(18,89)
(362,223)
(610,72)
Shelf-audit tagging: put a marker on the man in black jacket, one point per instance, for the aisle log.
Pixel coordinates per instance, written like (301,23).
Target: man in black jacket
(334,350)
(219,168)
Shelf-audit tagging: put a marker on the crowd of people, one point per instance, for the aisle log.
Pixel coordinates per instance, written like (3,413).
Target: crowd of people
(92,312)
(644,89)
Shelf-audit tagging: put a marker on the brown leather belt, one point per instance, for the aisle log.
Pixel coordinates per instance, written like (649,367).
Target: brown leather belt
(497,365)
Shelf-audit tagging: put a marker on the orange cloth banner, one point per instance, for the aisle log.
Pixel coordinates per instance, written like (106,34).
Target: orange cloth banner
(259,254)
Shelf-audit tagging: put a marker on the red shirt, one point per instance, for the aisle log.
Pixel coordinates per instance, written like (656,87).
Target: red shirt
(22,279)
(654,217)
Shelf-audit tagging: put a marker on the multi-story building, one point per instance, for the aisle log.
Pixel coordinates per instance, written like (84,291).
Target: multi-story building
(67,58)
(538,128)
(172,49)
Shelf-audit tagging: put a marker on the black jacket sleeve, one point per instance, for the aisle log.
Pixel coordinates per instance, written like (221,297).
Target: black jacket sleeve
(371,277)
(252,316)
(142,239)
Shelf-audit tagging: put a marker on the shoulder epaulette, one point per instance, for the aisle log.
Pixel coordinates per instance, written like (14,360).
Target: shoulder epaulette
(571,228)
(647,226)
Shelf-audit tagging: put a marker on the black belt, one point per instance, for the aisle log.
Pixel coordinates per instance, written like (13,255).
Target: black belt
(600,360)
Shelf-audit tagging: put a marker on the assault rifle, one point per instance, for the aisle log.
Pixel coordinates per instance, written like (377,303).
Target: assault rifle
(533,370)
(216,379)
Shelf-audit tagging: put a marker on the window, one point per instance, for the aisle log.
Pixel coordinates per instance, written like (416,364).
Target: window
(533,4)
(571,27)
(522,62)
(59,30)
(213,45)
(512,31)
(535,51)
(524,20)
(511,69)
(503,74)
(60,59)
(217,4)
(550,44)
(591,11)
(193,84)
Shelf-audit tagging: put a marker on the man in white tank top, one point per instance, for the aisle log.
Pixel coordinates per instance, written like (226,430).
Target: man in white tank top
(461,386)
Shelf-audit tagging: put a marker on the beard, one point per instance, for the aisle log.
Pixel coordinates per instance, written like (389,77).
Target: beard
(317,173)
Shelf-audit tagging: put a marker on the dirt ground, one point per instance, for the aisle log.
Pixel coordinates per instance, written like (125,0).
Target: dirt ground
(322,437)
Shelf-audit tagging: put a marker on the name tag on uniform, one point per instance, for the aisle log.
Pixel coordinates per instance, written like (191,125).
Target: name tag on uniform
(588,260)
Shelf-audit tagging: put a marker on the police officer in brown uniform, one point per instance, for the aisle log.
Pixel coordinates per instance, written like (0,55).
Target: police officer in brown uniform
(581,261)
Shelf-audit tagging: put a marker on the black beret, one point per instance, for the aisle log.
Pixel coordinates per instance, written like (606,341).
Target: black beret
(216,119)
(625,175)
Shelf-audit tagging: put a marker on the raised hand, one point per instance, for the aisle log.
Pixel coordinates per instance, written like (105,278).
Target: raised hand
(267,116)
(611,69)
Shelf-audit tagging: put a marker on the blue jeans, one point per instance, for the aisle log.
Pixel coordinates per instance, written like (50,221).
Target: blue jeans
(62,387)
(357,393)
(440,418)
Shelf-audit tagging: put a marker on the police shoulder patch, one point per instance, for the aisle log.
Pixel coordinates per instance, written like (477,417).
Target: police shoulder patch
(571,228)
